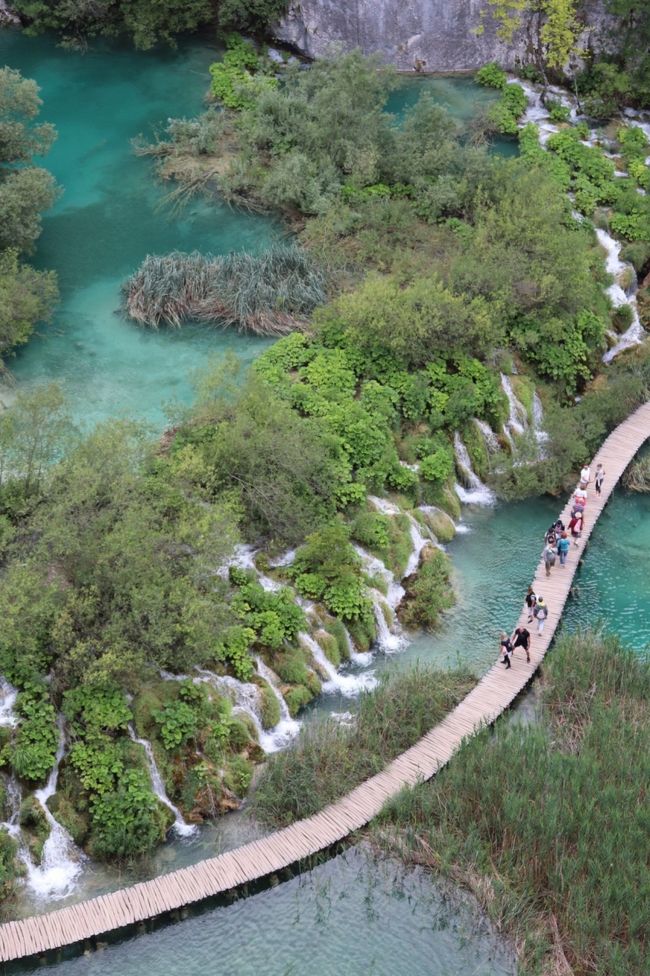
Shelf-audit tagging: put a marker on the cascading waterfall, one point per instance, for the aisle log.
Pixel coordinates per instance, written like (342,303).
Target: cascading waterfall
(182,828)
(246,699)
(8,695)
(243,557)
(349,685)
(387,640)
(518,418)
(284,560)
(474,492)
(383,505)
(538,423)
(360,658)
(61,860)
(490,438)
(288,727)
(536,113)
(13,799)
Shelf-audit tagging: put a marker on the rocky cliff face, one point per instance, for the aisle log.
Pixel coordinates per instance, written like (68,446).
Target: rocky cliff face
(414,35)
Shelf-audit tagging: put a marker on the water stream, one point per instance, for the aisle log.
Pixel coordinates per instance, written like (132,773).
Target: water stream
(473,491)
(288,727)
(180,825)
(61,860)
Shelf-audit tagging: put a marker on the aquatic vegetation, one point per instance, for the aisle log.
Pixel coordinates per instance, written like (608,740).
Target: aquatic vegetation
(329,759)
(268,294)
(429,593)
(545,822)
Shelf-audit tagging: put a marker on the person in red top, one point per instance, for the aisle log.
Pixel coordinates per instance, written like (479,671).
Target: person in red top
(575,527)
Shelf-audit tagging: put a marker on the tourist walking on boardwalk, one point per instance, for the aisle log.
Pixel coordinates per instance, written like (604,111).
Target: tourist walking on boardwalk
(585,476)
(600,477)
(563,546)
(551,535)
(531,600)
(580,497)
(575,526)
(549,556)
(506,647)
(540,613)
(521,638)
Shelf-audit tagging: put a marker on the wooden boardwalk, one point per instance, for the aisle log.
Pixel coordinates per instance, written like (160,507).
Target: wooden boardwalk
(490,697)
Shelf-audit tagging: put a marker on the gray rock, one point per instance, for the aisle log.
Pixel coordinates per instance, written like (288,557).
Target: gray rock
(413,35)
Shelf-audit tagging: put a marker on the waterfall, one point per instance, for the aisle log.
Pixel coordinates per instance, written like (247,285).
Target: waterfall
(182,828)
(349,685)
(475,492)
(246,700)
(383,505)
(61,859)
(287,728)
(8,695)
(418,542)
(490,438)
(243,557)
(375,567)
(13,799)
(536,112)
(361,658)
(388,641)
(518,418)
(538,423)
(284,560)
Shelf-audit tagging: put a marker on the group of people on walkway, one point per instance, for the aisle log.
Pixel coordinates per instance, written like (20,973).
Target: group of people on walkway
(556,545)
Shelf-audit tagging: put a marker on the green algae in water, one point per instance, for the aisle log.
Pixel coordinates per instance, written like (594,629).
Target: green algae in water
(351,916)
(110,217)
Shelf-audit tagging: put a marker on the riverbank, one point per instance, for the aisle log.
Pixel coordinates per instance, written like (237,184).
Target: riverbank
(545,823)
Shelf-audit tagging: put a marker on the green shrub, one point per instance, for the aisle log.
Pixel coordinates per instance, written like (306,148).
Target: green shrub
(269,707)
(371,529)
(34,747)
(234,648)
(235,79)
(429,594)
(492,76)
(327,568)
(129,820)
(557,111)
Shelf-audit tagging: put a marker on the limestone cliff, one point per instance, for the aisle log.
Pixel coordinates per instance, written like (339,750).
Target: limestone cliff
(414,35)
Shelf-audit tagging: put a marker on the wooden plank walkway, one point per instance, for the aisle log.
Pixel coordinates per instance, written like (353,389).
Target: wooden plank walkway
(253,861)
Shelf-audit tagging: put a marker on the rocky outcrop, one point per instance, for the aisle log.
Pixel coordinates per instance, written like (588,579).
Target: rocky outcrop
(414,35)
(7,15)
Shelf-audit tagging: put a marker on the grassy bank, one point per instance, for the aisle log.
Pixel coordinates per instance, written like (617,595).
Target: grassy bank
(548,824)
(329,759)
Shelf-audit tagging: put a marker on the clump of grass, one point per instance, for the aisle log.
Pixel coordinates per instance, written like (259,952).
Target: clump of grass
(268,294)
(637,476)
(328,759)
(548,823)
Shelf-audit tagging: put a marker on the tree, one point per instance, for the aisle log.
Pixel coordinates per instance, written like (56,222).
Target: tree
(33,433)
(26,297)
(552,25)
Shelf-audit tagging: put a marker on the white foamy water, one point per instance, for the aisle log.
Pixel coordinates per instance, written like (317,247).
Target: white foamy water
(538,423)
(473,492)
(61,860)
(8,695)
(243,557)
(383,505)
(287,728)
(180,825)
(388,638)
(490,438)
(518,418)
(349,685)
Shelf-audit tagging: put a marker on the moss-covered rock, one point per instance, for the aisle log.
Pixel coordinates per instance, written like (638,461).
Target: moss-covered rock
(441,524)
(9,867)
(337,629)
(291,666)
(296,698)
(330,647)
(442,496)
(75,820)
(34,826)
(524,390)
(476,448)
(269,706)
(363,633)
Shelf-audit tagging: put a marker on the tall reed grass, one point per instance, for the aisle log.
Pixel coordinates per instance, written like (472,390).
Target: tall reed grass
(329,759)
(550,824)
(269,294)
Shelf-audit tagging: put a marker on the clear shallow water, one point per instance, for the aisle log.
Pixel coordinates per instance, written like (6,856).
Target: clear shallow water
(352,916)
(110,216)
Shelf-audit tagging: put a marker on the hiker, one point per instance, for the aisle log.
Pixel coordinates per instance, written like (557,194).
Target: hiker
(559,528)
(550,538)
(541,613)
(531,600)
(600,477)
(563,546)
(521,638)
(580,497)
(585,475)
(575,526)
(506,646)
(549,556)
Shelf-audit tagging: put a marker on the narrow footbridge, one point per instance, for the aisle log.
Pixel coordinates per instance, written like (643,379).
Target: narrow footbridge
(258,859)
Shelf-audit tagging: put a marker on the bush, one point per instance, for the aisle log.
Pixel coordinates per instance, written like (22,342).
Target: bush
(557,111)
(35,743)
(129,820)
(429,593)
(492,76)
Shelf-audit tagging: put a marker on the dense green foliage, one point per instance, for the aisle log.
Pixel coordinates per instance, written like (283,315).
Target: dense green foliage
(547,822)
(329,759)
(429,593)
(145,22)
(26,295)
(239,79)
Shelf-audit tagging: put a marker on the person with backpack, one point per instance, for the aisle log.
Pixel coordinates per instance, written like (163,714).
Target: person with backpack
(506,647)
(563,546)
(549,556)
(531,600)
(521,638)
(541,613)
(575,526)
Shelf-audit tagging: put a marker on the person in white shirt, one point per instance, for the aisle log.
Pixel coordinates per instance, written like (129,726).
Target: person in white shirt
(585,476)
